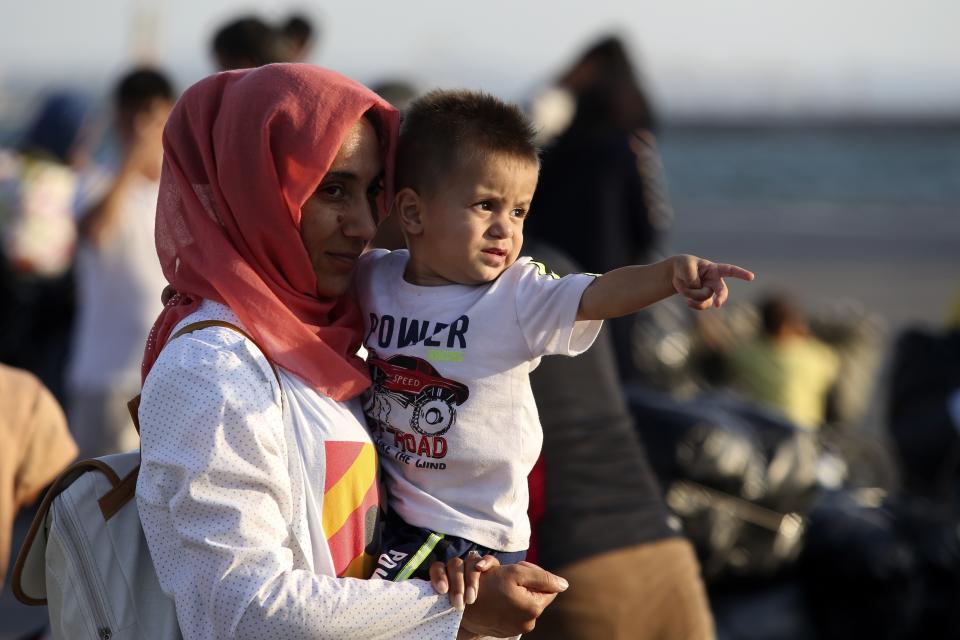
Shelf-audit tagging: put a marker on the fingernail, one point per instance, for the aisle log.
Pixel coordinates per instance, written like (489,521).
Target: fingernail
(564,585)
(470,596)
(442,588)
(457,602)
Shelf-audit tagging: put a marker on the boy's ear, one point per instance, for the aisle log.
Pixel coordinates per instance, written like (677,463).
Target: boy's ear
(408,208)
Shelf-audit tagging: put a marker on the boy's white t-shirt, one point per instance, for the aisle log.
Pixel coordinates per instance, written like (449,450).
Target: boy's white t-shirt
(451,407)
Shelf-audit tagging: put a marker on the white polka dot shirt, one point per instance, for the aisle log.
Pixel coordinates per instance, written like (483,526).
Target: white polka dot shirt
(223,500)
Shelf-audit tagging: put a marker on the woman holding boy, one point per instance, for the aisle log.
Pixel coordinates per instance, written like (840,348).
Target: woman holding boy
(258,489)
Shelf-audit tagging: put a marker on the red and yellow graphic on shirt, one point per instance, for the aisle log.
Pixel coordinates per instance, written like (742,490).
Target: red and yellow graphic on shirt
(350,491)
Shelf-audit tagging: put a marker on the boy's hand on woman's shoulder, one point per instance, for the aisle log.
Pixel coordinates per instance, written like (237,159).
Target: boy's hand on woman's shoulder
(701,281)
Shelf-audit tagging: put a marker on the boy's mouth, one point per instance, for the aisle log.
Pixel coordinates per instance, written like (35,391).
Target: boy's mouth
(497,252)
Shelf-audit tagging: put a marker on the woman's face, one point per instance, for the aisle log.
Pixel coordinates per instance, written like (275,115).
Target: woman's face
(340,218)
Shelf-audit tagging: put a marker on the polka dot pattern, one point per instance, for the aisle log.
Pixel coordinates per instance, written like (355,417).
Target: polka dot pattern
(220,511)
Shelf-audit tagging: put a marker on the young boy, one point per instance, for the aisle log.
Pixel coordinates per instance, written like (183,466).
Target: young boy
(455,324)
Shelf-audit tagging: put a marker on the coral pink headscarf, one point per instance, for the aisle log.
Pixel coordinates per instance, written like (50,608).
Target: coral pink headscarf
(243,151)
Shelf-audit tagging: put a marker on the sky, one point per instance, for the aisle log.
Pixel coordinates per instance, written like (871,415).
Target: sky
(698,57)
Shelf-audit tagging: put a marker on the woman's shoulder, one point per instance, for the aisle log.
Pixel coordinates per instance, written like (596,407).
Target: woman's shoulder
(213,354)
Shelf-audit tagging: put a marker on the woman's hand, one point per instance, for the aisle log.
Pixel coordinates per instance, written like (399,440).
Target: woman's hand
(510,600)
(461,578)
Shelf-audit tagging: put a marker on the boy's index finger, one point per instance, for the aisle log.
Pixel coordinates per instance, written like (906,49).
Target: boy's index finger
(733,271)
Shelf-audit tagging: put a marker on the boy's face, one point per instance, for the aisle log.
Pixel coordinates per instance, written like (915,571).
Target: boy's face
(469,228)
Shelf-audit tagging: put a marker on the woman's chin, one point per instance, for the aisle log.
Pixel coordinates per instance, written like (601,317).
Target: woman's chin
(333,285)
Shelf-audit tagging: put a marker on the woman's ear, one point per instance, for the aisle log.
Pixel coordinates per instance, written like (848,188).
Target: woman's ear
(407,206)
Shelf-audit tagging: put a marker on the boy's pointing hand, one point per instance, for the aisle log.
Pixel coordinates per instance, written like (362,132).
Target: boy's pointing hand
(701,281)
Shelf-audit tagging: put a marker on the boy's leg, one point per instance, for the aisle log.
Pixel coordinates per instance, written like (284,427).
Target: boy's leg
(406,551)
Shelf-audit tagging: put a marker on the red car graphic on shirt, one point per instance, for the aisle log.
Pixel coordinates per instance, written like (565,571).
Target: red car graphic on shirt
(413,381)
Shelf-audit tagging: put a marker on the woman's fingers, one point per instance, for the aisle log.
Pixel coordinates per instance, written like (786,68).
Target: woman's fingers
(455,578)
(535,578)
(511,599)
(471,577)
(438,577)
(474,566)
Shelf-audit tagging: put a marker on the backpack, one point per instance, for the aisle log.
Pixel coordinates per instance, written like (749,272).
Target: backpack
(86,557)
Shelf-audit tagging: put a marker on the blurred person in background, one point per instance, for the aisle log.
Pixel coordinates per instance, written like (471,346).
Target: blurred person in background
(299,35)
(598,513)
(606,166)
(953,313)
(38,183)
(249,41)
(399,93)
(786,368)
(119,280)
(36,447)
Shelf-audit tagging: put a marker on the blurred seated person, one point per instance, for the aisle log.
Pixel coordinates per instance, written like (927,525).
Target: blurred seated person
(36,447)
(119,279)
(785,367)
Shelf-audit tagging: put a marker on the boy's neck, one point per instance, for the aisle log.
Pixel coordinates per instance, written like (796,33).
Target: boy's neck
(416,273)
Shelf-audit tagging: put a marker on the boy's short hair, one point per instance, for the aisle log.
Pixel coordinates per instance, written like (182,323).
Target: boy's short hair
(138,89)
(442,127)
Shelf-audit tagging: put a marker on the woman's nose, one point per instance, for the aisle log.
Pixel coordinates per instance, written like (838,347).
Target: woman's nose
(361,223)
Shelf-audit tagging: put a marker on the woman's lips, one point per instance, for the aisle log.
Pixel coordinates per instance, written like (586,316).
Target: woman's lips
(346,260)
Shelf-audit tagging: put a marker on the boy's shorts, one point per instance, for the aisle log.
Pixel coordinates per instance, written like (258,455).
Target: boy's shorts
(408,551)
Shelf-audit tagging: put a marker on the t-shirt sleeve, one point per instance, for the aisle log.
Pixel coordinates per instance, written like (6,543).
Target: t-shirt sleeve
(547,311)
(215,500)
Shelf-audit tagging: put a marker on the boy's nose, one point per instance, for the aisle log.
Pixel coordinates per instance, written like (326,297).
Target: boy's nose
(499,229)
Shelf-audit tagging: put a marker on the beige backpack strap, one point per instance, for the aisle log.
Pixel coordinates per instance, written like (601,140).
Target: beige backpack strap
(133,406)
(62,481)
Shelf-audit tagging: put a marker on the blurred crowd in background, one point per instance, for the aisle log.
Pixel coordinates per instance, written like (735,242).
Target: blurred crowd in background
(808,447)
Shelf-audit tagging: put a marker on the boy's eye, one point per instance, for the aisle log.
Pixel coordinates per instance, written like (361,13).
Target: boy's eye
(519,213)
(484,205)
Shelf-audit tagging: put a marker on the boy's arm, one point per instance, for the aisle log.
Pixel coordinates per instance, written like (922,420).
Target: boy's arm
(629,289)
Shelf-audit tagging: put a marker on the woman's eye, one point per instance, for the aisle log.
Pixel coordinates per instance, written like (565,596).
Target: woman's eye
(375,190)
(332,191)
